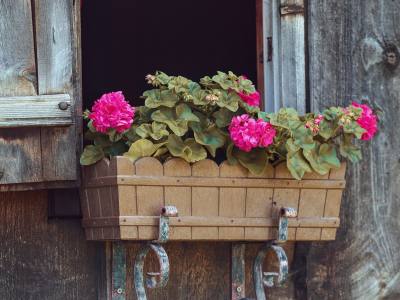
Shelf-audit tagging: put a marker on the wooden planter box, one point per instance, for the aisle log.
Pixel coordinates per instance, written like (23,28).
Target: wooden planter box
(122,201)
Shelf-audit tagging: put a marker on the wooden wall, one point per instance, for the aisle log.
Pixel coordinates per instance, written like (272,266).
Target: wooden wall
(350,56)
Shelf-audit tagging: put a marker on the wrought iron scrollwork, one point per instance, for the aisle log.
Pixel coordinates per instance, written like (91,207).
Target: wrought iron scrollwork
(267,279)
(154,279)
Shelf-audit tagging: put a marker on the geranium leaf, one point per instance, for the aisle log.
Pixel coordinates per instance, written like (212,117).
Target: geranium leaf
(189,150)
(142,148)
(348,150)
(322,158)
(211,138)
(168,116)
(184,112)
(254,161)
(91,154)
(223,117)
(156,98)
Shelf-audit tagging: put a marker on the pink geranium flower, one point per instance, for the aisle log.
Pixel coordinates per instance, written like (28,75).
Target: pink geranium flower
(252,99)
(247,133)
(367,121)
(111,111)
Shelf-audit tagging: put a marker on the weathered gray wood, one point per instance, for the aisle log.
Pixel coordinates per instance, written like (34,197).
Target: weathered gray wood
(292,55)
(58,64)
(41,258)
(285,68)
(20,153)
(44,110)
(350,57)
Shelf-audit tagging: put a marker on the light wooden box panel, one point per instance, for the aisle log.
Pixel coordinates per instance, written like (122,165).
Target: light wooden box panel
(122,200)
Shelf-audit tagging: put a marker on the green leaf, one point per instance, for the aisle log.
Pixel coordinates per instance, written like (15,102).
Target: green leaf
(142,148)
(322,158)
(168,116)
(211,138)
(327,129)
(296,162)
(161,151)
(156,98)
(131,134)
(303,137)
(248,108)
(179,84)
(263,115)
(91,154)
(189,150)
(287,118)
(247,86)
(255,160)
(228,100)
(223,80)
(154,130)
(354,128)
(197,94)
(143,114)
(184,112)
(223,117)
(229,154)
(348,150)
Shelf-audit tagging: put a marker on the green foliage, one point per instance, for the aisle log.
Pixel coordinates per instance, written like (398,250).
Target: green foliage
(91,154)
(190,120)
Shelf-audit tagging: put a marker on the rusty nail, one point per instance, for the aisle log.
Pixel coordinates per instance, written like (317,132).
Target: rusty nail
(63,105)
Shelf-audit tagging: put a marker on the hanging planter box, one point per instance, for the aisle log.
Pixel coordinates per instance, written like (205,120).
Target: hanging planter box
(122,201)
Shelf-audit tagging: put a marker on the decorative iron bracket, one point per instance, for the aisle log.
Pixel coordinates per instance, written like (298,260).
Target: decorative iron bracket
(152,279)
(262,279)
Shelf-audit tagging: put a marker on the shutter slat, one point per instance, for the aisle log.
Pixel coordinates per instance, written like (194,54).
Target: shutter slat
(39,111)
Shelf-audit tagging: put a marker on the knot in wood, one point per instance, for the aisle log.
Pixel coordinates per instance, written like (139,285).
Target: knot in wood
(391,56)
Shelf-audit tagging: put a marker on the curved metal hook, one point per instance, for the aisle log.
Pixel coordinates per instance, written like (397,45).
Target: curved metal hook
(266,279)
(153,280)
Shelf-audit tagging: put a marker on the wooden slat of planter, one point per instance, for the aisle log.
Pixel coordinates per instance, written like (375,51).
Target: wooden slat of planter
(311,222)
(149,199)
(205,200)
(312,204)
(180,197)
(232,201)
(217,182)
(125,201)
(258,204)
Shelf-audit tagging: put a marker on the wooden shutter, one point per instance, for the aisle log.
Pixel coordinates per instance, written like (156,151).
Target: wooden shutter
(284,54)
(40,97)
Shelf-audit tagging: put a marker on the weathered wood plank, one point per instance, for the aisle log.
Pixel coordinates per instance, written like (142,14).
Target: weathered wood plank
(284,54)
(349,45)
(58,63)
(41,258)
(292,55)
(45,110)
(20,153)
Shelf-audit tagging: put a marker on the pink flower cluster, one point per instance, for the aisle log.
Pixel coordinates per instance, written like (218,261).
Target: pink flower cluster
(367,121)
(112,111)
(252,99)
(247,133)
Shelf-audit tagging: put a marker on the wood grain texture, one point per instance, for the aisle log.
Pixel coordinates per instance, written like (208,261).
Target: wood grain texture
(24,111)
(122,201)
(20,158)
(41,258)
(58,64)
(292,57)
(347,43)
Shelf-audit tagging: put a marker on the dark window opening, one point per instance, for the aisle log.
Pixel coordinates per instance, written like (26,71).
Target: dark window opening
(124,40)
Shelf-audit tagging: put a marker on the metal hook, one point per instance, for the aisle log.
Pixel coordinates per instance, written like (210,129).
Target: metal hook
(155,279)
